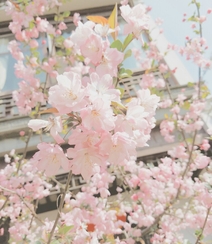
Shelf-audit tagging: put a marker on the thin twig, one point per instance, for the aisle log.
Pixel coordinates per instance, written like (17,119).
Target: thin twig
(24,202)
(5,203)
(172,99)
(35,208)
(60,207)
(206,218)
(132,190)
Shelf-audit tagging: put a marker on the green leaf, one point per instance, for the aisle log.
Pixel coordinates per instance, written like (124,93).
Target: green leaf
(51,35)
(55,18)
(193,19)
(34,52)
(117,44)
(190,84)
(153,63)
(60,39)
(198,5)
(39,71)
(65,229)
(121,90)
(190,140)
(60,18)
(204,91)
(127,41)
(118,108)
(145,46)
(80,58)
(31,25)
(167,75)
(66,14)
(197,32)
(205,94)
(125,73)
(198,232)
(186,105)
(127,54)
(60,53)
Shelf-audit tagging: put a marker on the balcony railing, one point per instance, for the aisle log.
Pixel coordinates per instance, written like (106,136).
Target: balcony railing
(9,110)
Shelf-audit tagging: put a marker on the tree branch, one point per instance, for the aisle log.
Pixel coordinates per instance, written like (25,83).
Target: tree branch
(60,207)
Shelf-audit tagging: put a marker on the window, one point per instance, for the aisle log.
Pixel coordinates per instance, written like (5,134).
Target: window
(8,81)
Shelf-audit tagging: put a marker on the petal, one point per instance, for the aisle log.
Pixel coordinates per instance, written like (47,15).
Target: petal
(37,124)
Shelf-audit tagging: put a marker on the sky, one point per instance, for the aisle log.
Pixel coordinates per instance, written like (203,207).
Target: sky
(175,30)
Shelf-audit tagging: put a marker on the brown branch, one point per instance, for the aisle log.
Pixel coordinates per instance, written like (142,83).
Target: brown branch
(24,202)
(206,218)
(60,207)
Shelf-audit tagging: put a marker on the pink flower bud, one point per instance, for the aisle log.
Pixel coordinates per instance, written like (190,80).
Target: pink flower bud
(58,32)
(148,8)
(202,19)
(62,26)
(33,44)
(22,133)
(209,11)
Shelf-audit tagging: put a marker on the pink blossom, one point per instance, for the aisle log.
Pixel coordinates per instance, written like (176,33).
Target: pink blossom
(15,50)
(99,116)
(62,26)
(68,95)
(160,83)
(202,19)
(119,147)
(136,19)
(209,10)
(85,161)
(92,48)
(50,158)
(33,44)
(166,128)
(144,98)
(102,88)
(180,98)
(148,9)
(124,2)
(42,24)
(148,80)
(27,97)
(201,161)
(159,21)
(68,43)
(76,18)
(53,124)
(165,103)
(163,68)
(109,64)
(205,145)
(22,133)
(104,30)
(178,152)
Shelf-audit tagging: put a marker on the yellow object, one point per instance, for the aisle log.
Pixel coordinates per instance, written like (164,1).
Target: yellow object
(98,19)
(111,21)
